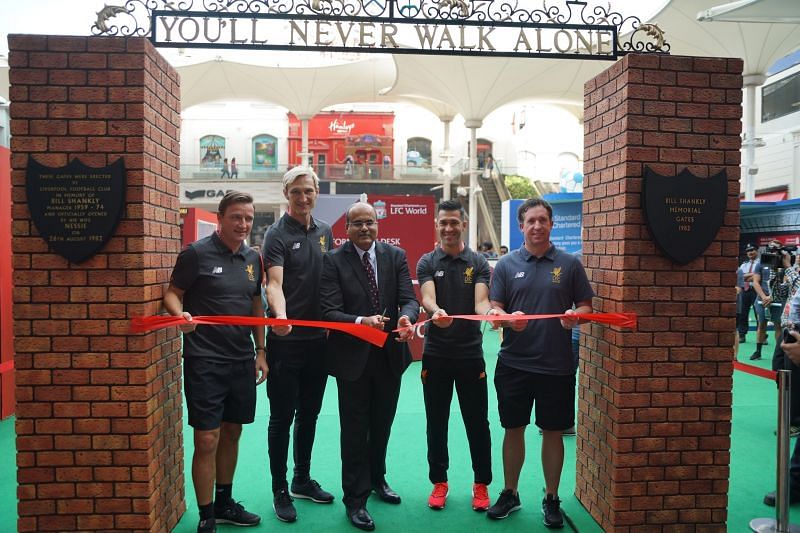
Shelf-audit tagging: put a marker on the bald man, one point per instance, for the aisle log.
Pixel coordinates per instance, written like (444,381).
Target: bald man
(367,282)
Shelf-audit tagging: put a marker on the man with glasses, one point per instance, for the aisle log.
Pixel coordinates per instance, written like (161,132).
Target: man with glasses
(367,282)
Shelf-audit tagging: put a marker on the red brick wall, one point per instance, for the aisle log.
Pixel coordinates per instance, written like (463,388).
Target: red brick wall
(6,289)
(99,442)
(655,404)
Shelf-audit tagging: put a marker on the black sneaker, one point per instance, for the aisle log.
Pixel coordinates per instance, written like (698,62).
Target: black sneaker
(284,509)
(235,514)
(771,497)
(755,356)
(310,490)
(551,508)
(507,503)
(207,526)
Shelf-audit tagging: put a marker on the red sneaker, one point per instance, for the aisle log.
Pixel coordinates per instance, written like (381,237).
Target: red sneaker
(480,497)
(438,497)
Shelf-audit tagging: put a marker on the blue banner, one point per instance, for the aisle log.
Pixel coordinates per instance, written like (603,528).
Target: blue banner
(567,220)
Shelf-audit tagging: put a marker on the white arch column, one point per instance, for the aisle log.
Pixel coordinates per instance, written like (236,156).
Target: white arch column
(473,124)
(448,157)
(305,155)
(751,81)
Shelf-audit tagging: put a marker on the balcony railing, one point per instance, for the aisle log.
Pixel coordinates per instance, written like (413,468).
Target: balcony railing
(325,172)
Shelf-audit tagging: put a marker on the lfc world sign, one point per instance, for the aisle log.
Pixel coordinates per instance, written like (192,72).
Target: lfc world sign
(684,212)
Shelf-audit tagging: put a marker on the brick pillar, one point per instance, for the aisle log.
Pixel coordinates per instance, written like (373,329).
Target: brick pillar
(655,404)
(99,442)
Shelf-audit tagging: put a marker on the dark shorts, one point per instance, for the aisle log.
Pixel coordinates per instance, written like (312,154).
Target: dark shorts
(219,391)
(519,391)
(772,313)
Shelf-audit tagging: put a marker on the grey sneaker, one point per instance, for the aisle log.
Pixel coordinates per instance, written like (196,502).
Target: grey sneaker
(507,503)
(283,506)
(310,490)
(551,509)
(235,514)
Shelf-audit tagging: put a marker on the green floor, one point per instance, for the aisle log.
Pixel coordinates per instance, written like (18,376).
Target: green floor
(752,467)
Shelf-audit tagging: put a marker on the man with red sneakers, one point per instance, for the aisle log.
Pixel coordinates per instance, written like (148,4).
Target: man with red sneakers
(454,280)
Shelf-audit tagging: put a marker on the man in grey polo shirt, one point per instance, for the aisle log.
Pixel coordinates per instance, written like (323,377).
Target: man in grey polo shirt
(535,365)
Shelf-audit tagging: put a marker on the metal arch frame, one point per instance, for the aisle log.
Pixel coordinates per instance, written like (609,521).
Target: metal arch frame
(138,18)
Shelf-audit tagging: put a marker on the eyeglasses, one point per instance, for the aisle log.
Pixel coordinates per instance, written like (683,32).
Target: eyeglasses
(358,224)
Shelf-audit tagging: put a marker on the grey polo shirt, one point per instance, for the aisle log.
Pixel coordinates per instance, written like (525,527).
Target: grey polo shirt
(217,281)
(455,279)
(545,285)
(288,244)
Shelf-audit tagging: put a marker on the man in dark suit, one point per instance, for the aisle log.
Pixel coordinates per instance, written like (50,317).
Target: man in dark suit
(367,282)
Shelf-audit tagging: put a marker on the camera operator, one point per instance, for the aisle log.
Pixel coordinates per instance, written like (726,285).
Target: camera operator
(789,351)
(786,283)
(774,261)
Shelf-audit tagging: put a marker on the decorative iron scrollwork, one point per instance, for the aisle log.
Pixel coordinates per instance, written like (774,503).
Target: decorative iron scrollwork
(135,17)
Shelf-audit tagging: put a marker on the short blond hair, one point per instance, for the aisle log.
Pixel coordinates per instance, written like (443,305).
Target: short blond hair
(296,172)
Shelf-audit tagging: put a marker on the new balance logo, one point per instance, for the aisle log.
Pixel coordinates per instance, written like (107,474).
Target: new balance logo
(519,275)
(217,270)
(439,274)
(296,246)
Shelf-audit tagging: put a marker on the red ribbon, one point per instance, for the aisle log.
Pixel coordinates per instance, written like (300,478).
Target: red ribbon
(755,370)
(625,320)
(8,366)
(365,333)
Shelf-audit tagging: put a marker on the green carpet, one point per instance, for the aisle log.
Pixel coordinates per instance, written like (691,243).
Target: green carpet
(752,466)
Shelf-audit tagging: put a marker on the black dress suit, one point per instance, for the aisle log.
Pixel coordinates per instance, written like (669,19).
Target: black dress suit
(368,377)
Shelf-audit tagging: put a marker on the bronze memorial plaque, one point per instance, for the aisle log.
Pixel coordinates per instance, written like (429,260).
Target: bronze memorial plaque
(76,208)
(684,212)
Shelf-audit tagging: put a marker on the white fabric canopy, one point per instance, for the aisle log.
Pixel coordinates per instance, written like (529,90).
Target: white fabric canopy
(783,11)
(759,44)
(304,91)
(475,86)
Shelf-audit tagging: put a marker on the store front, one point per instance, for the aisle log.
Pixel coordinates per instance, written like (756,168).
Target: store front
(346,145)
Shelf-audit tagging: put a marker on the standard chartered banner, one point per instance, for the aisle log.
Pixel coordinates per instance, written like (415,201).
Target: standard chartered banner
(567,223)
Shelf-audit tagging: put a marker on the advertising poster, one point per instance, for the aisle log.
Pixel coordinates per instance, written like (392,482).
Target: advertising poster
(265,152)
(404,221)
(212,151)
(567,217)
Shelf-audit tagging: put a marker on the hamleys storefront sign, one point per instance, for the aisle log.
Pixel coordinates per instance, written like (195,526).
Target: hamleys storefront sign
(341,127)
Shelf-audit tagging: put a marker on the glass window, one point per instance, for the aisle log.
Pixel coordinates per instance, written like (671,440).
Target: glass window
(780,98)
(418,152)
(526,164)
(265,152)
(212,151)
(570,178)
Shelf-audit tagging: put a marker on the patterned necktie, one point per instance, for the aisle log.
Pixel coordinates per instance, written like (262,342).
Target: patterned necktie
(373,284)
